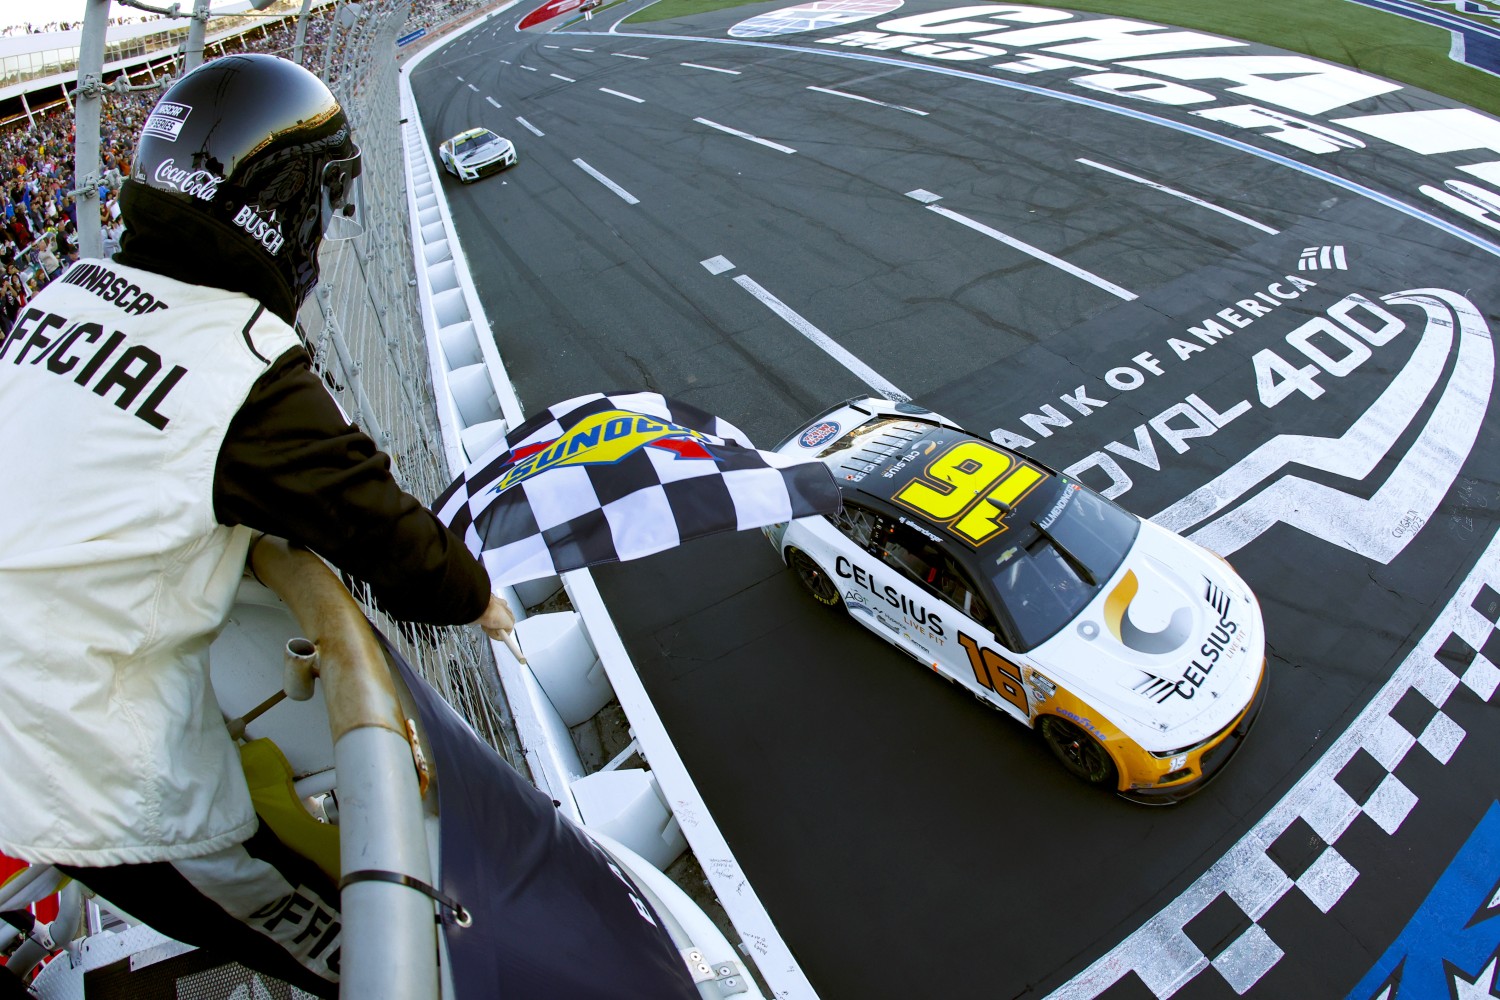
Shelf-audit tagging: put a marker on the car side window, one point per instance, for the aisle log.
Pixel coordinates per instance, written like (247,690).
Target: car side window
(908,550)
(958,590)
(856,523)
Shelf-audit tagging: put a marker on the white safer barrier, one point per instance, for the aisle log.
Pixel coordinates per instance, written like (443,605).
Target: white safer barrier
(576,663)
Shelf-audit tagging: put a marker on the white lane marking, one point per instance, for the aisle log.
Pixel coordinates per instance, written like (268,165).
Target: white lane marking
(507,62)
(744,135)
(836,351)
(529,69)
(564,79)
(711,69)
(596,175)
(493,101)
(618,94)
(549,46)
(1179,194)
(1369,526)
(474,88)
(867,100)
(627,55)
(929,199)
(583,50)
(460,79)
(530,127)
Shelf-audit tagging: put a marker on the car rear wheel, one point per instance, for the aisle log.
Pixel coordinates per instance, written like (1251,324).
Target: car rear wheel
(1080,753)
(812,578)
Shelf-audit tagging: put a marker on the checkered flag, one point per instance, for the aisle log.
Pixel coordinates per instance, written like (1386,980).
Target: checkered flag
(606,478)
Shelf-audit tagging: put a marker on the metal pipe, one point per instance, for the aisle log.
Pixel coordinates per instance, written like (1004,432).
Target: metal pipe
(86,127)
(301,31)
(389,936)
(193,58)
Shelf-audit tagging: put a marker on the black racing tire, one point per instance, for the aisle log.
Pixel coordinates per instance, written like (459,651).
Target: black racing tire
(1079,753)
(813,579)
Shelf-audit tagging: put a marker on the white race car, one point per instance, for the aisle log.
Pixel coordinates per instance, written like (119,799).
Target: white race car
(476,153)
(1138,655)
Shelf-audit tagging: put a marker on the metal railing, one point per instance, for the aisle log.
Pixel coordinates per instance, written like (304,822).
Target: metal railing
(363,328)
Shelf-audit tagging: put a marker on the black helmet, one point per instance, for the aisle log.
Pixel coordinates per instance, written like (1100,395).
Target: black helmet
(259,148)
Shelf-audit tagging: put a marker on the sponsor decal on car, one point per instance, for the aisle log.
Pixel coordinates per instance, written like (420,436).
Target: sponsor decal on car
(1125,631)
(928,623)
(818,434)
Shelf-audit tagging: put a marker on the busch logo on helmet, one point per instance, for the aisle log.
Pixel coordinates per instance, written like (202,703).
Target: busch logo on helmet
(267,231)
(199,183)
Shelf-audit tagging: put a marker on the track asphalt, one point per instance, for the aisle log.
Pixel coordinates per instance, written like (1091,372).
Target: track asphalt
(1245,293)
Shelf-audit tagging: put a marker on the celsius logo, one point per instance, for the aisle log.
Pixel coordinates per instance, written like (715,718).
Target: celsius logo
(1449,376)
(1117,620)
(199,183)
(264,229)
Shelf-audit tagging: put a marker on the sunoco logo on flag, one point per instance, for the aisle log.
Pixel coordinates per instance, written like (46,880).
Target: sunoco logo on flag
(604,439)
(608,477)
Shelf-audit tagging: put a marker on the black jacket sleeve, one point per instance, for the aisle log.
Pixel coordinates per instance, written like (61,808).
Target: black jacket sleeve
(291,465)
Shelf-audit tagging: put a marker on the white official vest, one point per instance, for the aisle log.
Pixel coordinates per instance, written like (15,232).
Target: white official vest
(116,388)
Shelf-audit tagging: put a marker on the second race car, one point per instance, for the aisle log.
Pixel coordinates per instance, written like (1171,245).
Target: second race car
(1138,655)
(476,153)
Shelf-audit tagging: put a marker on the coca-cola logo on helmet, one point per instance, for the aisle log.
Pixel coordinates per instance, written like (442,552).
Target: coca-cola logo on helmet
(201,184)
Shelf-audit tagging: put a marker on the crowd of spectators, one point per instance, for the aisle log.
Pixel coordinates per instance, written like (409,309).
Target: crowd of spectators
(29,28)
(38,215)
(39,221)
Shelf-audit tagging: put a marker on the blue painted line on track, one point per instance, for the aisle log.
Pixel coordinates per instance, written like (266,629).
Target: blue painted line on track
(1455,926)
(1285,161)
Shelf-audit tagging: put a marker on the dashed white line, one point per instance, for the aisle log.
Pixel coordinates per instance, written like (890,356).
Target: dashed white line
(930,200)
(493,101)
(745,135)
(1179,194)
(564,79)
(549,46)
(529,69)
(627,55)
(629,198)
(507,62)
(473,88)
(867,100)
(617,93)
(711,69)
(583,50)
(460,79)
(829,346)
(530,127)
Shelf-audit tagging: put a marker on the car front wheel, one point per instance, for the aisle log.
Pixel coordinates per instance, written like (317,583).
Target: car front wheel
(1083,756)
(812,578)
